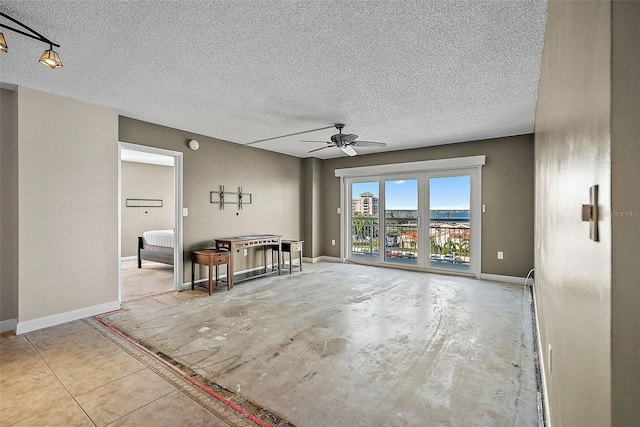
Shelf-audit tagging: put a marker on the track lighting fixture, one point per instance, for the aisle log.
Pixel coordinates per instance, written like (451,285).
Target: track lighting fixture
(3,43)
(49,58)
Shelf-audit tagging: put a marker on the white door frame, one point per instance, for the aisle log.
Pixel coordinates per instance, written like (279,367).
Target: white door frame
(472,164)
(178,191)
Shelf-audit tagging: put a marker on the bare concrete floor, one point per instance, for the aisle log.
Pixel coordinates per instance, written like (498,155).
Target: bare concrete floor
(339,345)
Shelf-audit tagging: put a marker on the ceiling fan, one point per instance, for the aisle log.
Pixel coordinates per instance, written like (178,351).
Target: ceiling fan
(346,142)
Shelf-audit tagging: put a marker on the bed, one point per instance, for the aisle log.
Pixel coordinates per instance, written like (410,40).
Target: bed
(156,246)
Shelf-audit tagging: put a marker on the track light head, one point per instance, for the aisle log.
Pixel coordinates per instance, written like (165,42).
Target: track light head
(50,59)
(3,44)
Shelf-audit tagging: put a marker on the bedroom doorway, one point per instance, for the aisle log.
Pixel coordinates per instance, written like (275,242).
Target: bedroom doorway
(150,224)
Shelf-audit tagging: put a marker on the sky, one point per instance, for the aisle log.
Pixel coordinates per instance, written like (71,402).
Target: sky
(447,193)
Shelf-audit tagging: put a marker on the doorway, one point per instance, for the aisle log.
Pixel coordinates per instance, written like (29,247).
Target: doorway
(149,221)
(428,219)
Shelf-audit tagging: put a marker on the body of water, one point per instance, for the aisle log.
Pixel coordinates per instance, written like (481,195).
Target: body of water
(449,214)
(436,214)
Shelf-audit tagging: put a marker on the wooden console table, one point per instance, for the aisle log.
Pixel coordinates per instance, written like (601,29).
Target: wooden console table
(211,258)
(233,244)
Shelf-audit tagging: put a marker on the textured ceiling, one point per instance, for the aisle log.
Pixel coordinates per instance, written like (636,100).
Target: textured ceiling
(408,73)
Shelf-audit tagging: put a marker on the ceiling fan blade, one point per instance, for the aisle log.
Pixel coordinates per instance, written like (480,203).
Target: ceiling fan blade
(349,138)
(369,144)
(326,142)
(318,149)
(290,134)
(348,149)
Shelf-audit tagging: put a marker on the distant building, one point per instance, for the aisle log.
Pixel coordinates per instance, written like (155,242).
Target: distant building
(366,204)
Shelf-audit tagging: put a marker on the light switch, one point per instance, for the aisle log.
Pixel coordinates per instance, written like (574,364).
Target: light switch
(185,211)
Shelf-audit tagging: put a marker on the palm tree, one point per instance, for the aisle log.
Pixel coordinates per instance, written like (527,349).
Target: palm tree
(463,247)
(434,247)
(449,246)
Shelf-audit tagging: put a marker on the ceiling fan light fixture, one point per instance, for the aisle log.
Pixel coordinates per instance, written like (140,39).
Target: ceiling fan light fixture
(3,44)
(349,150)
(50,59)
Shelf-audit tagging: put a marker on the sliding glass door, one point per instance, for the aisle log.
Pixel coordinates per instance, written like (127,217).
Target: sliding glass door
(401,228)
(449,222)
(365,220)
(425,220)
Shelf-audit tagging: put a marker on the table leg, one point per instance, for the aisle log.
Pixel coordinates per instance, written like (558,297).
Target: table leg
(230,272)
(290,262)
(279,257)
(300,257)
(193,272)
(210,278)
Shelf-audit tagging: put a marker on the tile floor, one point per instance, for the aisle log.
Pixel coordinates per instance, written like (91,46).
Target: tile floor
(82,374)
(152,278)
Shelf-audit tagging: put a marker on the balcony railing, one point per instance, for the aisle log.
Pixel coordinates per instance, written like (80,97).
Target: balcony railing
(448,239)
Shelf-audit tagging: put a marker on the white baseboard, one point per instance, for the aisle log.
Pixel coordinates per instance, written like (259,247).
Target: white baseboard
(547,410)
(506,279)
(57,319)
(8,325)
(129,258)
(321,258)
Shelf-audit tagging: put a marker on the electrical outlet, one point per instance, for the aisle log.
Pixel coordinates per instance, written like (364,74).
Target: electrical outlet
(333,243)
(500,255)
(245,252)
(338,210)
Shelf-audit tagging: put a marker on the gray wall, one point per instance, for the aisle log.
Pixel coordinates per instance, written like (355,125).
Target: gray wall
(144,181)
(507,191)
(8,208)
(67,200)
(274,180)
(573,273)
(625,223)
(312,216)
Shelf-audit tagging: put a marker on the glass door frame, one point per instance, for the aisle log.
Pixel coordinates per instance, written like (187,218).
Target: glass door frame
(475,213)
(346,239)
(420,228)
(422,171)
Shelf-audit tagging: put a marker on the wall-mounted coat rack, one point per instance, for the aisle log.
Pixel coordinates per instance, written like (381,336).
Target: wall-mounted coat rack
(222,198)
